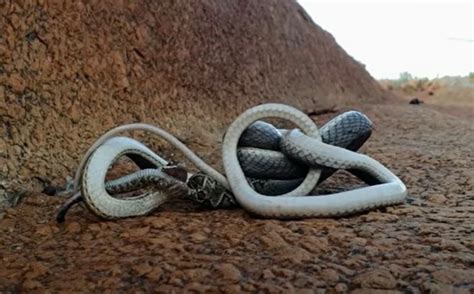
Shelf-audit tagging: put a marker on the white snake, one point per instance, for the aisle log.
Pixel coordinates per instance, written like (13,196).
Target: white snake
(306,148)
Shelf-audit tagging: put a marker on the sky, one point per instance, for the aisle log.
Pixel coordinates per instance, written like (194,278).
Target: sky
(425,38)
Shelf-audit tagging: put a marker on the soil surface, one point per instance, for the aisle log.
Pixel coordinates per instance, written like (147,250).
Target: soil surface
(424,245)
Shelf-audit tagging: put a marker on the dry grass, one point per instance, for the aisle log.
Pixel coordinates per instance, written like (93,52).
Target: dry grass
(446,91)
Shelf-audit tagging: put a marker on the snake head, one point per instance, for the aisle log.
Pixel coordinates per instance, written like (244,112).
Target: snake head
(207,191)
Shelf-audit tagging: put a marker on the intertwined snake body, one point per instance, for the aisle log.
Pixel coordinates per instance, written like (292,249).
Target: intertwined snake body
(303,147)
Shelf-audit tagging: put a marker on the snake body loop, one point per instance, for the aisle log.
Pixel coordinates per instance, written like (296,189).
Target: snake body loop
(97,194)
(305,147)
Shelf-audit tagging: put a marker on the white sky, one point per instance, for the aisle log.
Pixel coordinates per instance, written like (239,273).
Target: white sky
(391,37)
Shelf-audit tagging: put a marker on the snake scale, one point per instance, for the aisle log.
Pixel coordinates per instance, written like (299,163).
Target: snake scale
(290,164)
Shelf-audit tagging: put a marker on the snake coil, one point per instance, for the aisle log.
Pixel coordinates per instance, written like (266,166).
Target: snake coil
(303,145)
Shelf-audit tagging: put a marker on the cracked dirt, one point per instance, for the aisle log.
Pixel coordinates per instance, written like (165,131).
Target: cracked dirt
(425,245)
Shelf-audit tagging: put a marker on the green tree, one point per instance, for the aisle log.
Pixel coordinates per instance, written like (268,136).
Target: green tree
(405,77)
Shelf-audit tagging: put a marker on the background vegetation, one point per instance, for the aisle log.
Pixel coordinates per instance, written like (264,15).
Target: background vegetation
(445,90)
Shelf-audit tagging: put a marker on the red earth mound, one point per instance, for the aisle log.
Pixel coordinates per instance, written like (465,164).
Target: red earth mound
(71,70)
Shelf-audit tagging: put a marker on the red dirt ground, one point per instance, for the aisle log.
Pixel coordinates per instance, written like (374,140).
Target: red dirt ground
(425,245)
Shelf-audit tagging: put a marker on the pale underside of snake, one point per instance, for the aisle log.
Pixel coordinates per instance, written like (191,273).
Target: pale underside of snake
(303,146)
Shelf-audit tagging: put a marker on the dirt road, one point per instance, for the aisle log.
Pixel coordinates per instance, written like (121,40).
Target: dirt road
(424,245)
